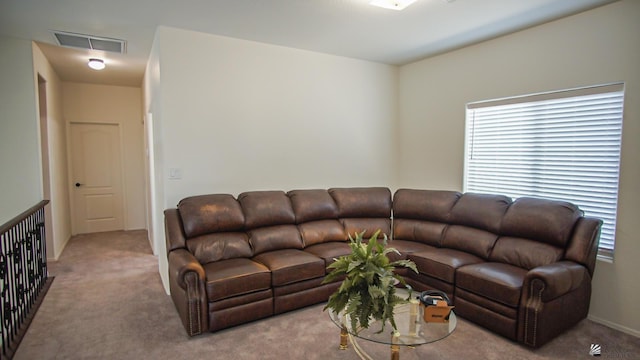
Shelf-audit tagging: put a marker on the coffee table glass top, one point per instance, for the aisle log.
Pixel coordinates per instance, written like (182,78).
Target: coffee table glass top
(410,332)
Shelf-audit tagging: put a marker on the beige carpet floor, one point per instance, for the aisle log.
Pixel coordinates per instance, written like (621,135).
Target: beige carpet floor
(107,302)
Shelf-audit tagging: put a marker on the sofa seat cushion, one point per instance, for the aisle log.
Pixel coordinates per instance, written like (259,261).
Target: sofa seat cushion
(405,248)
(496,281)
(290,265)
(421,282)
(233,277)
(329,251)
(442,263)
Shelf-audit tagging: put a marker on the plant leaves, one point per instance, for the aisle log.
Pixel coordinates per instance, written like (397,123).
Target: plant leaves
(368,291)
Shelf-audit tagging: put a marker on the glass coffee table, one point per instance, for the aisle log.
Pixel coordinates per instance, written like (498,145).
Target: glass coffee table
(412,329)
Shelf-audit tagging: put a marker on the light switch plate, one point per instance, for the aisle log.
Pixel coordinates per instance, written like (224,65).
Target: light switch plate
(175,174)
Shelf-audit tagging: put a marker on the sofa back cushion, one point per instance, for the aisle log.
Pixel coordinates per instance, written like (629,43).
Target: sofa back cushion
(426,205)
(474,222)
(219,246)
(524,253)
(273,238)
(316,232)
(364,209)
(543,220)
(468,239)
(206,214)
(426,232)
(373,202)
(310,205)
(266,208)
(422,215)
(481,211)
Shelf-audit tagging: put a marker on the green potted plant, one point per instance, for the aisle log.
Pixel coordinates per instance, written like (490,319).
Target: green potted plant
(368,291)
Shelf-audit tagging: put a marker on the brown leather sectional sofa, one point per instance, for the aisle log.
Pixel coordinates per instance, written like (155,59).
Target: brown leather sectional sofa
(520,268)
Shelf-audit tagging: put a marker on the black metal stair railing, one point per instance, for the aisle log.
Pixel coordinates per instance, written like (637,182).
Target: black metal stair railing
(23,275)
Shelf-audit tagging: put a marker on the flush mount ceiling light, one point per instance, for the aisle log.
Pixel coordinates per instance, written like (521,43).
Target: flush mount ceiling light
(96,64)
(392,4)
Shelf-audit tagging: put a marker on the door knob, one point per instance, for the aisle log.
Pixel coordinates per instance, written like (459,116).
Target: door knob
(78,184)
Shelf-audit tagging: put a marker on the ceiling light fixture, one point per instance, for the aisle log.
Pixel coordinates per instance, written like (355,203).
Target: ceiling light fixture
(392,4)
(96,64)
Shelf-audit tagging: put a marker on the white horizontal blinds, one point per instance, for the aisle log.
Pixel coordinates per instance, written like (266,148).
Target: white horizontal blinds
(563,145)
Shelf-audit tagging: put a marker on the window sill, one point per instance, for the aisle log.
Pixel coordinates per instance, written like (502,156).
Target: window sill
(606,257)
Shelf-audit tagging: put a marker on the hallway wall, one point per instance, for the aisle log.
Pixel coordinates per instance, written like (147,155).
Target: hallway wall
(59,231)
(21,178)
(121,105)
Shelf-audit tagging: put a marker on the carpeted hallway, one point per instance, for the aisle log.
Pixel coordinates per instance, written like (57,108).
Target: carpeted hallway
(107,302)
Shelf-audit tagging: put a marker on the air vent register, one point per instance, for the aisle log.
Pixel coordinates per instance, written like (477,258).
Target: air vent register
(90,42)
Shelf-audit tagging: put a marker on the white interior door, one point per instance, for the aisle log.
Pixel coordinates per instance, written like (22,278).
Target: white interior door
(96,173)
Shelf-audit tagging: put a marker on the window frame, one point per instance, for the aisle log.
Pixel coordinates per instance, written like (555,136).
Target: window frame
(515,102)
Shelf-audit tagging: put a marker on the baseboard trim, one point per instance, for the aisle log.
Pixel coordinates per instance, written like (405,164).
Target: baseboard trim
(56,256)
(607,323)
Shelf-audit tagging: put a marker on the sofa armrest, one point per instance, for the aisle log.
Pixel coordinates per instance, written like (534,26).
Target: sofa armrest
(583,247)
(554,280)
(554,298)
(181,262)
(173,229)
(187,284)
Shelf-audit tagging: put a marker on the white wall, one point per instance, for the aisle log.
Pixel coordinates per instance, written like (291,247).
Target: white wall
(239,115)
(59,231)
(117,105)
(21,176)
(152,106)
(595,47)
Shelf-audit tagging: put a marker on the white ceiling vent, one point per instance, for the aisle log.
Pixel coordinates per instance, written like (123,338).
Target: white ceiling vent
(90,42)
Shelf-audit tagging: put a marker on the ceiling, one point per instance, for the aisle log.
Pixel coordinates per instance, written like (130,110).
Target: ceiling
(350,28)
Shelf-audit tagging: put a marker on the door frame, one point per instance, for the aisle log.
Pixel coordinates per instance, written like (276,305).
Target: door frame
(45,158)
(150,191)
(71,186)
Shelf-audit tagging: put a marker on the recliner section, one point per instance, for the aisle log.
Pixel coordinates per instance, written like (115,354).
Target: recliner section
(491,254)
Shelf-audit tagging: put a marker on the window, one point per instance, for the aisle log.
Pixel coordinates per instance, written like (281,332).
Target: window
(562,145)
